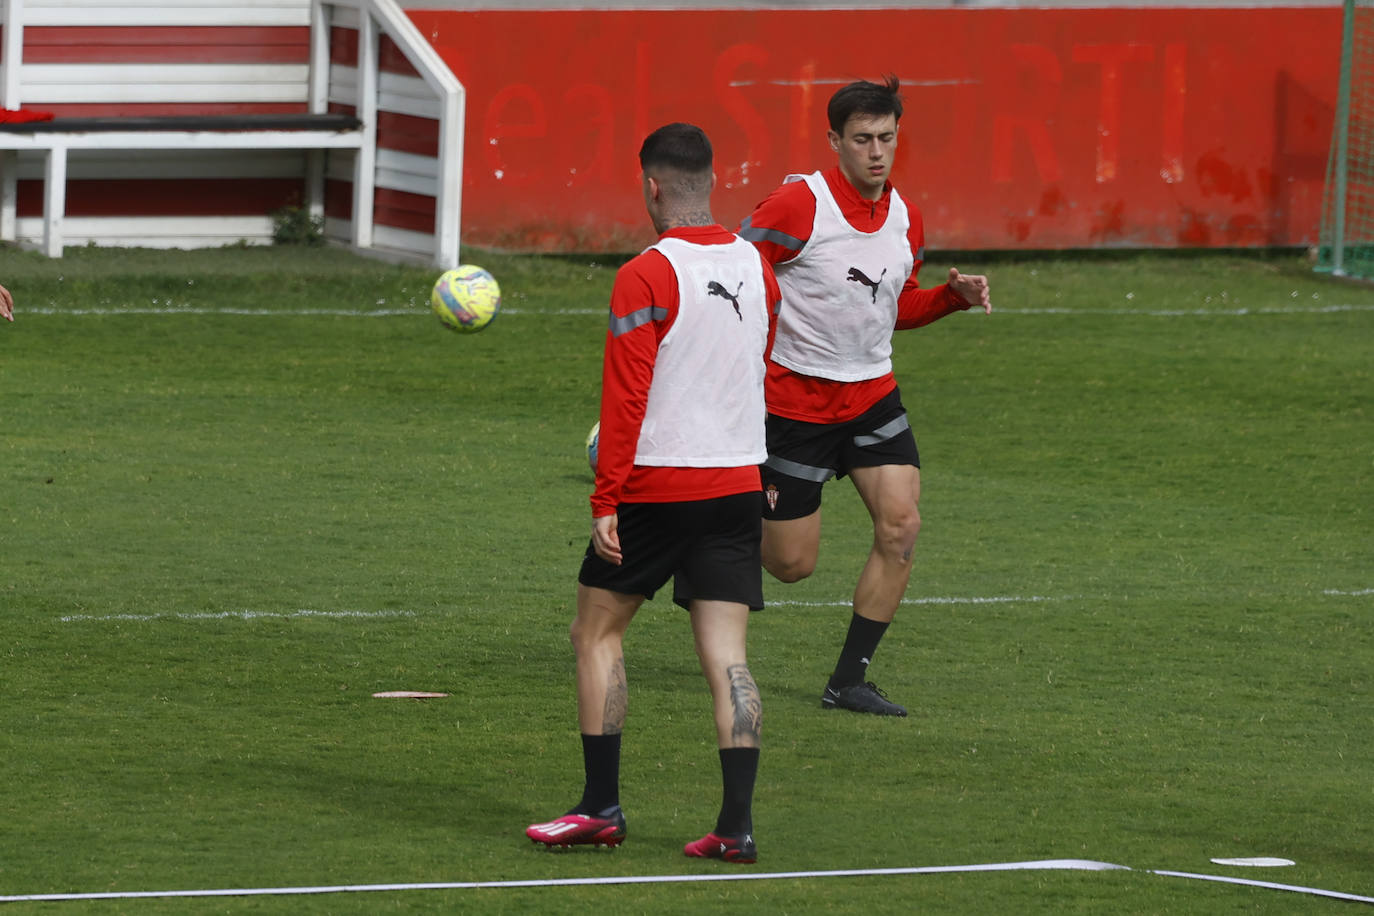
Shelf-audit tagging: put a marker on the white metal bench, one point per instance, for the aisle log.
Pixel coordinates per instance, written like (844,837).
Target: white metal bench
(314,130)
(54,138)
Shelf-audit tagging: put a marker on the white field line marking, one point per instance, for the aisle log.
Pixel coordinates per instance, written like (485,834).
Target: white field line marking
(1008,599)
(997,599)
(282,313)
(1049,864)
(252,313)
(304,612)
(1042,865)
(420,311)
(1271,885)
(239,615)
(1192,313)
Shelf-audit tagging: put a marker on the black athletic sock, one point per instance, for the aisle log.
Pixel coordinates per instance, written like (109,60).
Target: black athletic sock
(738,767)
(601,763)
(859,646)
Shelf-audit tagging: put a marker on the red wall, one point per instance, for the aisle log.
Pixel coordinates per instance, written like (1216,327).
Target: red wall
(1023,128)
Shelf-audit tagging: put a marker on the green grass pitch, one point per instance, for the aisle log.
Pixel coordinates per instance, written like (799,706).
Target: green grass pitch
(243,490)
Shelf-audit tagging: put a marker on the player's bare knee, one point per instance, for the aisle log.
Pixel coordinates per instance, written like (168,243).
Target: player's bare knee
(583,637)
(896,535)
(789,569)
(911,529)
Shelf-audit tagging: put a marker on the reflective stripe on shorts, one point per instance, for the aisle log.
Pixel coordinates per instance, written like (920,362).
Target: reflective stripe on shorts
(882,433)
(800,471)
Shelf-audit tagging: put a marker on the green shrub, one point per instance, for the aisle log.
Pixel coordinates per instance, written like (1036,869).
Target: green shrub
(296,226)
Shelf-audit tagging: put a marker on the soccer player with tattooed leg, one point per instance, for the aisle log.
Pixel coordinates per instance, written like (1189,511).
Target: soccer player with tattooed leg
(677,488)
(847,248)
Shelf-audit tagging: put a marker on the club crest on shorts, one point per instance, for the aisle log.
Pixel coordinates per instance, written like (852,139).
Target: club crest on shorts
(770,493)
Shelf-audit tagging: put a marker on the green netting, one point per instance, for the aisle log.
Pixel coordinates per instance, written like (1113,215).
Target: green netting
(1347,233)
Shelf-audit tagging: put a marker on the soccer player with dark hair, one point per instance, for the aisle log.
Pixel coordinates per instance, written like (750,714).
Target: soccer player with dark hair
(677,487)
(847,248)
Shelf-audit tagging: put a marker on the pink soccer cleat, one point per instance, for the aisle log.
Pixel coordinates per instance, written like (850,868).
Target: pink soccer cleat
(581,830)
(739,849)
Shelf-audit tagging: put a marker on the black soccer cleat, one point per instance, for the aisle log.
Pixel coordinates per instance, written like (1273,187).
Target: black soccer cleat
(861,698)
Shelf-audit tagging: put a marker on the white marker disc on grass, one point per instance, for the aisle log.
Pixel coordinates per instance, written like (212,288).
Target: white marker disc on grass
(1256,861)
(408,695)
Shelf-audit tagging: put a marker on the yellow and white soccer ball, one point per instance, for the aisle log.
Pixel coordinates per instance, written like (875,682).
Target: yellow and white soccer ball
(593,441)
(466,299)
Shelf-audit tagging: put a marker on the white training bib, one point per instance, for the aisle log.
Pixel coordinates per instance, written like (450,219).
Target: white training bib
(839,294)
(705,406)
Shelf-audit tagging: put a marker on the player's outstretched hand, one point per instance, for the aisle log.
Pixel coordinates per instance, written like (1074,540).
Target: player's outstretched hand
(972,288)
(6,304)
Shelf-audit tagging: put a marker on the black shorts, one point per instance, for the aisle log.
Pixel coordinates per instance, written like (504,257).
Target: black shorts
(709,547)
(803,456)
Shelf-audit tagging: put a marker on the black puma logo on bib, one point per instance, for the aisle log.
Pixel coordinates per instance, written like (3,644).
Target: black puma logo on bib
(715,289)
(858,276)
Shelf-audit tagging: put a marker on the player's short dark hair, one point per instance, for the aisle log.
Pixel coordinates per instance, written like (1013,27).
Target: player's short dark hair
(865,98)
(679,146)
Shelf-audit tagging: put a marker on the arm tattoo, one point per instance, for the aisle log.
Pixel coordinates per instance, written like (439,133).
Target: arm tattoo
(617,699)
(744,697)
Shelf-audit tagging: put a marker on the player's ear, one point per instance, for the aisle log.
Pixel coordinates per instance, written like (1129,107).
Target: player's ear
(834,139)
(713,180)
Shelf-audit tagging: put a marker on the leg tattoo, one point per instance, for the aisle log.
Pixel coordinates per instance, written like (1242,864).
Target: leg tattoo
(617,700)
(744,697)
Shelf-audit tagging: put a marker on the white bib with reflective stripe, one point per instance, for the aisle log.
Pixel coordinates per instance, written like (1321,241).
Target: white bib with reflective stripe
(839,294)
(705,406)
